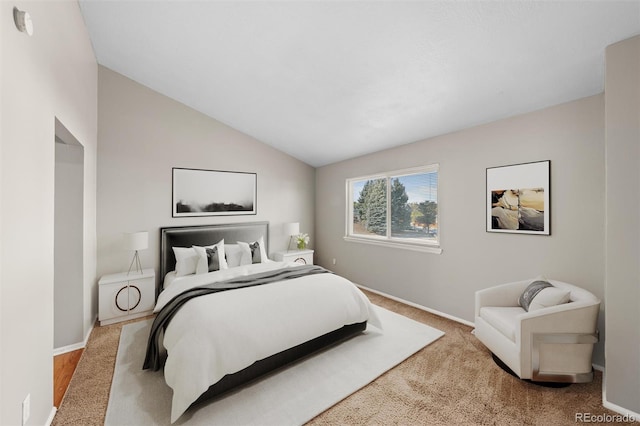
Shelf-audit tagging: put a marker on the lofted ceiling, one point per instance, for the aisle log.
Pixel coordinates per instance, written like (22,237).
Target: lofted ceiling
(325,81)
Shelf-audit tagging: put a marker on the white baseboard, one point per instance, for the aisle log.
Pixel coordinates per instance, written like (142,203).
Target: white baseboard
(52,414)
(69,348)
(441,314)
(628,415)
(422,308)
(75,346)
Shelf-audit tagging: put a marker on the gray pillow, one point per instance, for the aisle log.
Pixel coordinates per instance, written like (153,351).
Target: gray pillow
(213,259)
(256,256)
(530,292)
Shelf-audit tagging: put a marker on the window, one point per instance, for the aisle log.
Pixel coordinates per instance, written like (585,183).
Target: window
(397,208)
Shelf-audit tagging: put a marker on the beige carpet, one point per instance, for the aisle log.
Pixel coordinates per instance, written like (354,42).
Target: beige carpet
(452,381)
(293,396)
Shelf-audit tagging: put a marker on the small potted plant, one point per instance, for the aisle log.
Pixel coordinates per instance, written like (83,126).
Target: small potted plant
(302,240)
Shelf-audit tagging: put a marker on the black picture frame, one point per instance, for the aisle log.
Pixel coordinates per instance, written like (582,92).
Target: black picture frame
(201,192)
(519,198)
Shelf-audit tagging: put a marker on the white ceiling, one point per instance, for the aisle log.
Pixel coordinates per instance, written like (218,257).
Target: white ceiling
(326,81)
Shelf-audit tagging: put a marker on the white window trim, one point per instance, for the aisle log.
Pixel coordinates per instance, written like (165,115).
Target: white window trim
(426,248)
(423,246)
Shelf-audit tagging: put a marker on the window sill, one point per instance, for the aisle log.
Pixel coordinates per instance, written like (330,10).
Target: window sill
(394,244)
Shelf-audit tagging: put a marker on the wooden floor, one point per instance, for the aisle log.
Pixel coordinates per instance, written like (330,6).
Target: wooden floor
(63,367)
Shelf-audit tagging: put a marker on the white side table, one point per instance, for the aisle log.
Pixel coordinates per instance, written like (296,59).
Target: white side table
(304,257)
(124,297)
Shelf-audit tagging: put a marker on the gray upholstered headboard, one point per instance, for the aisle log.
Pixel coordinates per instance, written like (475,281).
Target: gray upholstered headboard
(187,236)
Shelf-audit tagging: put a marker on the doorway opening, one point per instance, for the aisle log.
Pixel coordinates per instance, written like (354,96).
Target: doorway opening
(68,282)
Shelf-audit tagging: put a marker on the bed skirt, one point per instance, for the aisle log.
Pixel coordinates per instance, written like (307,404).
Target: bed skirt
(280,360)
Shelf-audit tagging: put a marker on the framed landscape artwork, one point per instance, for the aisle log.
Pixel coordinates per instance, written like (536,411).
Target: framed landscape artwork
(519,199)
(199,192)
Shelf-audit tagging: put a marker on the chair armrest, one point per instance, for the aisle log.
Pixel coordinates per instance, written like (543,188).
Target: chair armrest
(567,317)
(502,295)
(574,317)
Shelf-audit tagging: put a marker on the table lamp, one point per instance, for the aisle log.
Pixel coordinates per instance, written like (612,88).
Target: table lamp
(291,229)
(136,241)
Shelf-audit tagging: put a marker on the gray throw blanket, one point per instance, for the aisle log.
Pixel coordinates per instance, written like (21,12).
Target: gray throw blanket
(153,358)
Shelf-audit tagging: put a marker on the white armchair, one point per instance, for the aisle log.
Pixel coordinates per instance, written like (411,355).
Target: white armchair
(551,344)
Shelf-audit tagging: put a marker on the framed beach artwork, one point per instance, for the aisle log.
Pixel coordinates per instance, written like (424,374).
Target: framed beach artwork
(519,198)
(199,192)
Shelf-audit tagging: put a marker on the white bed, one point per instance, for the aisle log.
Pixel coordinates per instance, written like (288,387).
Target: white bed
(228,333)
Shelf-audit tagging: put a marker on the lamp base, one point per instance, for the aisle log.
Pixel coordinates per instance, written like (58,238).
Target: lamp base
(289,245)
(136,260)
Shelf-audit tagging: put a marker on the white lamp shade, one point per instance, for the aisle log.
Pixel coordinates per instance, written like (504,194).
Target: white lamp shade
(292,228)
(136,240)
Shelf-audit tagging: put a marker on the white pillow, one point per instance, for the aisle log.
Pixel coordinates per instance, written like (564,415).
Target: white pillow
(186,260)
(535,285)
(246,258)
(233,254)
(202,266)
(550,296)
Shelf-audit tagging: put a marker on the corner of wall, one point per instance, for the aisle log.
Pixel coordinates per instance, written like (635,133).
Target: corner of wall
(622,247)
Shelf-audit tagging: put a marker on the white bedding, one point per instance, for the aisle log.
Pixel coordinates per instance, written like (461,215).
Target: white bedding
(225,332)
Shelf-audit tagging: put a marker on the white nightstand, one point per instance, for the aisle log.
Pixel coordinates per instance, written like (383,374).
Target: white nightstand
(124,297)
(298,256)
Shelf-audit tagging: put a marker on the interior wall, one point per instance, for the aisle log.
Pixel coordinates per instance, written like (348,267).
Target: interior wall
(68,292)
(571,135)
(3,16)
(622,106)
(144,134)
(50,74)
(88,307)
